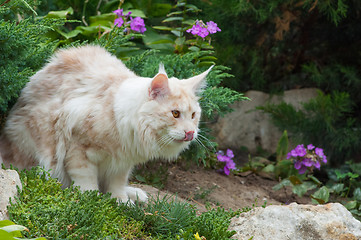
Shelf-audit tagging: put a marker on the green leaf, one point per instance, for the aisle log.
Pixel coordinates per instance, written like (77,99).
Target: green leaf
(180,41)
(192,7)
(60,14)
(171,19)
(140,178)
(270,168)
(162,41)
(163,28)
(189,22)
(282,146)
(315,180)
(70,34)
(303,188)
(4,223)
(208,58)
(322,195)
(351,205)
(338,188)
(194,49)
(357,194)
(174,13)
(340,175)
(5,235)
(136,13)
(177,33)
(282,184)
(295,180)
(103,18)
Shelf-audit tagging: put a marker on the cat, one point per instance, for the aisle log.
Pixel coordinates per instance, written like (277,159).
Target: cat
(89,120)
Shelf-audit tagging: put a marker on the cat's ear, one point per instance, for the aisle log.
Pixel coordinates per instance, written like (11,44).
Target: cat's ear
(198,82)
(161,69)
(159,86)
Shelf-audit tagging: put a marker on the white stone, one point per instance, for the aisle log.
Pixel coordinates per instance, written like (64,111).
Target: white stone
(252,128)
(9,179)
(297,222)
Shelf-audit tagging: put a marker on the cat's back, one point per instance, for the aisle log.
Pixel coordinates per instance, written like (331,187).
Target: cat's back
(84,65)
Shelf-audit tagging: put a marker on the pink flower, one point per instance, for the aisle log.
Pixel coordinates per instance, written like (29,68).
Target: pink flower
(118,22)
(119,12)
(137,24)
(227,159)
(212,27)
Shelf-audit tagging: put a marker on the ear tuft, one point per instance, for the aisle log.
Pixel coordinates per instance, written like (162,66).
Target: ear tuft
(162,70)
(198,82)
(159,86)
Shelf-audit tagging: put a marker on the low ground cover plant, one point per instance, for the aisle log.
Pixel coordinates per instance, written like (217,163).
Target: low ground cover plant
(49,211)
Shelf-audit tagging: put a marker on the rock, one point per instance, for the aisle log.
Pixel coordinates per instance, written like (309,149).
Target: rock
(297,222)
(252,128)
(9,179)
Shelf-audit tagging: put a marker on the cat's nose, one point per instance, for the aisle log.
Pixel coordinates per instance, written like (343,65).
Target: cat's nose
(188,136)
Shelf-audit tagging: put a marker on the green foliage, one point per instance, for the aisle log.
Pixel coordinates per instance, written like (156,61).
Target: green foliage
(49,211)
(55,213)
(324,121)
(23,50)
(282,146)
(153,173)
(11,231)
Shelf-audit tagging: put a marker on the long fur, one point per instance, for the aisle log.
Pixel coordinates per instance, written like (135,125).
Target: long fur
(89,119)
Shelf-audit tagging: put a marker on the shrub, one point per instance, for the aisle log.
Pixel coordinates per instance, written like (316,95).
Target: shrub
(49,211)
(325,121)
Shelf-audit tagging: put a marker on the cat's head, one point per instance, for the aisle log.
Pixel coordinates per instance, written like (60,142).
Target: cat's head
(173,111)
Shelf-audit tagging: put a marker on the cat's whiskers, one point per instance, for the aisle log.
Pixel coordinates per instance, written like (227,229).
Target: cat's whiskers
(207,140)
(164,141)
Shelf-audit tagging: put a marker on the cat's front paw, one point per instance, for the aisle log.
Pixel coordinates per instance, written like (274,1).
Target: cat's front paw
(136,194)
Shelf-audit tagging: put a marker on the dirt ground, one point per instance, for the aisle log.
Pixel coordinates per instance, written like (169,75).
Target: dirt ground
(202,186)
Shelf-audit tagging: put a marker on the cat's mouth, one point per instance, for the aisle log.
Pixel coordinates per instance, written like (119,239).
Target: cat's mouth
(188,136)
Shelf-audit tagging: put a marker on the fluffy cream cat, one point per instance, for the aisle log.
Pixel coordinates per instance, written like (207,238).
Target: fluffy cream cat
(89,119)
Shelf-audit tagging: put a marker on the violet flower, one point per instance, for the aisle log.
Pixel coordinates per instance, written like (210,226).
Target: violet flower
(227,159)
(137,24)
(202,30)
(212,27)
(307,158)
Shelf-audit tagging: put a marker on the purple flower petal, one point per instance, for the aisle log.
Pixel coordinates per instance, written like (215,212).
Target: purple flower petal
(307,162)
(230,164)
(317,164)
(301,150)
(203,32)
(118,22)
(119,12)
(302,170)
(230,153)
(294,153)
(212,27)
(298,165)
(222,158)
(319,152)
(137,24)
(226,170)
(310,147)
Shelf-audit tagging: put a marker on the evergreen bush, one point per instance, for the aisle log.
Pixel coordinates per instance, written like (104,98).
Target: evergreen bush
(49,211)
(23,51)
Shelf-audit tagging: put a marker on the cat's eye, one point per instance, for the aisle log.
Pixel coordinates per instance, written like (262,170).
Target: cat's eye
(176,113)
(193,115)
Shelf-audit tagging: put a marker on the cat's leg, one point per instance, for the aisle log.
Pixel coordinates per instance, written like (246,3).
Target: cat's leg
(117,185)
(136,194)
(80,169)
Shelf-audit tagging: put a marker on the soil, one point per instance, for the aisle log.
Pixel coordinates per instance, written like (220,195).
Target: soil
(209,187)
